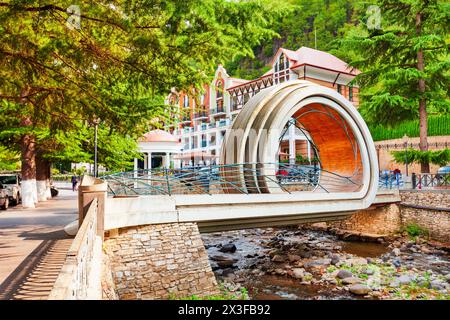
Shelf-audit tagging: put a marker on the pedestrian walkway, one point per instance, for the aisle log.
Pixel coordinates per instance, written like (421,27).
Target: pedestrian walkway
(33,246)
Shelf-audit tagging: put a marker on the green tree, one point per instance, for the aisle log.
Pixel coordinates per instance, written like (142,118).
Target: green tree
(405,62)
(64,67)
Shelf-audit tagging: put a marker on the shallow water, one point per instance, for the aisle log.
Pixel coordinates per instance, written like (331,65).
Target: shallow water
(252,250)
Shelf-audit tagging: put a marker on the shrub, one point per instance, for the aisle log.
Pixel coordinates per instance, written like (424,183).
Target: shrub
(415,230)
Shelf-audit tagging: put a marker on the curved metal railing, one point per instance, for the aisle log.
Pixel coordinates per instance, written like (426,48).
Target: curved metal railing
(234,178)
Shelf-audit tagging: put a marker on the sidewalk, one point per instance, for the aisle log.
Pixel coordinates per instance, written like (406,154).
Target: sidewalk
(33,246)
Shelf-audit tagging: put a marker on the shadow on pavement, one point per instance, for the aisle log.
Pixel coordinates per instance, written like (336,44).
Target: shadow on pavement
(34,278)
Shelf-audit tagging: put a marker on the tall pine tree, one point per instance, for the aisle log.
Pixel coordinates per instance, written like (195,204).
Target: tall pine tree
(405,61)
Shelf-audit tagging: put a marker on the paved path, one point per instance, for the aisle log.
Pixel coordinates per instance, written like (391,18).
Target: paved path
(33,246)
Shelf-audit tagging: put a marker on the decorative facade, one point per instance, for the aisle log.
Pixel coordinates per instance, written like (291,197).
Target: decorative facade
(204,120)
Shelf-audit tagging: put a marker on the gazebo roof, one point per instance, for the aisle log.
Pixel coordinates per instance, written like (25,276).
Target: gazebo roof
(158,136)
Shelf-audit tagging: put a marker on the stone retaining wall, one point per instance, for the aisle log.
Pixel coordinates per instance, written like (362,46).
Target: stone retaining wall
(160,262)
(389,219)
(430,198)
(383,220)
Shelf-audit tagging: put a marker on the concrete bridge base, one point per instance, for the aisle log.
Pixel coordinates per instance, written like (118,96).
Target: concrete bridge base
(160,261)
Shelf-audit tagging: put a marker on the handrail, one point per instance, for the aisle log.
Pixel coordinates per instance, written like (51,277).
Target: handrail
(242,178)
(74,280)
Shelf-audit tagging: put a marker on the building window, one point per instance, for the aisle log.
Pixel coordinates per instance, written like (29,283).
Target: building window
(186,101)
(339,88)
(350,93)
(219,89)
(202,100)
(246,97)
(234,103)
(281,69)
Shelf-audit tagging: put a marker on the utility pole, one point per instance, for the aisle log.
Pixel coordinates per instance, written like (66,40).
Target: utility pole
(96,122)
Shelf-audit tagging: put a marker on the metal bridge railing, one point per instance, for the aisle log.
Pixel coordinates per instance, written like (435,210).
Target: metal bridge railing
(417,181)
(236,178)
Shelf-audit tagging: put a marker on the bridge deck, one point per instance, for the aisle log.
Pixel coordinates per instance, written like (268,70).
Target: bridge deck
(235,211)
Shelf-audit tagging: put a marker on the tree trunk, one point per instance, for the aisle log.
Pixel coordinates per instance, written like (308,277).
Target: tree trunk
(424,167)
(28,157)
(42,177)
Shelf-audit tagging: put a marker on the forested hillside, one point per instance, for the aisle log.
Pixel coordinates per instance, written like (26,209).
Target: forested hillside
(310,23)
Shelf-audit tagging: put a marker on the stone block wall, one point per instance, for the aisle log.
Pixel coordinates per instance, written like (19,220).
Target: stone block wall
(430,198)
(160,262)
(389,219)
(383,220)
(436,222)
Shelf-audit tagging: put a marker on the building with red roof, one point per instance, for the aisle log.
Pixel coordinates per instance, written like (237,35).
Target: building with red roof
(203,121)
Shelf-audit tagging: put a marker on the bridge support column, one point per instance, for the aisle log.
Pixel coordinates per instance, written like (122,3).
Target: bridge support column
(160,261)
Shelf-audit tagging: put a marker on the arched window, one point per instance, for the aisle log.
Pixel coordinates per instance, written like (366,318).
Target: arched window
(281,69)
(219,95)
(219,89)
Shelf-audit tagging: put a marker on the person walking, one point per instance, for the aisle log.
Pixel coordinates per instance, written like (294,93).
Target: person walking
(74,183)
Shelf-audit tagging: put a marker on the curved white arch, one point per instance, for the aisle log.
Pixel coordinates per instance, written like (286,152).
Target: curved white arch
(253,136)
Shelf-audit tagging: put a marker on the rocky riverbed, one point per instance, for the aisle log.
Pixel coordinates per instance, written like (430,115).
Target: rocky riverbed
(302,263)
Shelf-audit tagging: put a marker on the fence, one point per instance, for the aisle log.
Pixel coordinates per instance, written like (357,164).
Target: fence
(243,178)
(79,275)
(430,181)
(418,181)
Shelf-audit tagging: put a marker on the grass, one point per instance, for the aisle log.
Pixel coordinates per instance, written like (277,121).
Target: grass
(225,294)
(414,231)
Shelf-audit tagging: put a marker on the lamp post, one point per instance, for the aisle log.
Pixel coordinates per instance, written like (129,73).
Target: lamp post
(96,121)
(405,141)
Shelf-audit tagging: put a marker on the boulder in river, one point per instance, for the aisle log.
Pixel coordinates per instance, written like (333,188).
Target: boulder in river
(359,289)
(229,247)
(342,274)
(351,280)
(318,263)
(298,273)
(404,279)
(278,258)
(294,257)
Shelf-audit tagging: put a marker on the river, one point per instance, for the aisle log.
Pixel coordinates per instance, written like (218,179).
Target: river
(300,263)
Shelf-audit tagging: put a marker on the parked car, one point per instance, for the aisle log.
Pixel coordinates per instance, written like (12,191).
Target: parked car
(11,182)
(4,198)
(444,170)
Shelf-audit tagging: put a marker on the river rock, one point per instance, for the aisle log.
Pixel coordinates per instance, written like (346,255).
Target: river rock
(334,259)
(396,263)
(294,257)
(229,247)
(317,263)
(404,279)
(368,271)
(225,263)
(279,272)
(394,283)
(447,277)
(351,280)
(437,285)
(298,273)
(342,274)
(356,261)
(359,289)
(396,251)
(278,258)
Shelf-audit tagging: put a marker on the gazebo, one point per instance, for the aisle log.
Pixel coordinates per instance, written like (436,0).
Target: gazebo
(158,148)
(196,157)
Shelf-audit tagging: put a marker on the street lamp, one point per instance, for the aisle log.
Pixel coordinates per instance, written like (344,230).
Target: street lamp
(405,142)
(96,121)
